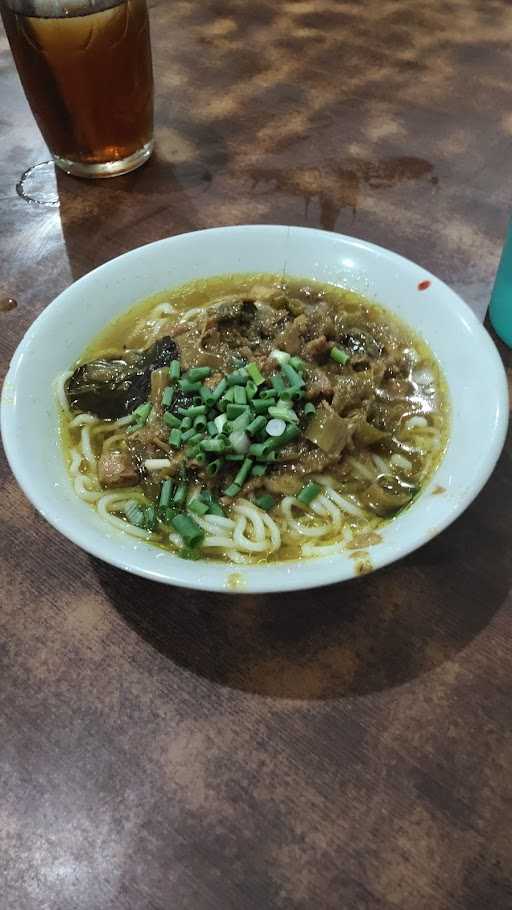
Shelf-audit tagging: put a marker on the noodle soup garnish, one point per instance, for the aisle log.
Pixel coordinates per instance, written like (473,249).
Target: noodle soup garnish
(248,419)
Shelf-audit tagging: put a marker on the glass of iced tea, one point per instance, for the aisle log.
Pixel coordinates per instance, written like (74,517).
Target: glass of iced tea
(85,66)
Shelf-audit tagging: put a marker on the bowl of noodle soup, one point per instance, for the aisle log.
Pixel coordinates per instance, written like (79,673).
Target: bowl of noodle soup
(256,408)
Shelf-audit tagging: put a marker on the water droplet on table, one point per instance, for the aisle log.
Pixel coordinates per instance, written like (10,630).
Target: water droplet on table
(38,184)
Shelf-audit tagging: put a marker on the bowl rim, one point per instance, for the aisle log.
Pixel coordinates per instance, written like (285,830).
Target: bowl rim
(289,581)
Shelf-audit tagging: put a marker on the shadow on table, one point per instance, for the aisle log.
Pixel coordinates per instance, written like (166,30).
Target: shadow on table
(102,219)
(366,635)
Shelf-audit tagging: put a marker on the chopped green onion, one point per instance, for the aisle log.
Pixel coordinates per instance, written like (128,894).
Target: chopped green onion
(211,427)
(142,413)
(192,411)
(229,395)
(284,414)
(200,508)
(257,449)
(241,421)
(278,384)
(256,425)
(294,378)
(200,422)
(195,439)
(214,467)
(180,494)
(219,389)
(255,373)
(280,356)
(234,410)
(186,423)
(244,471)
(251,390)
(171,420)
(240,395)
(186,527)
(260,405)
(279,441)
(167,396)
(187,386)
(259,470)
(187,436)
(165,493)
(289,435)
(174,369)
(239,377)
(213,445)
(233,457)
(292,394)
(240,441)
(149,522)
(196,374)
(167,515)
(134,513)
(265,502)
(232,490)
(215,509)
(309,408)
(297,363)
(338,355)
(309,492)
(276,427)
(220,422)
(175,438)
(206,396)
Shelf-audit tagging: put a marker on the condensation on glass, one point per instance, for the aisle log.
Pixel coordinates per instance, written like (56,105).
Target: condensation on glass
(86,69)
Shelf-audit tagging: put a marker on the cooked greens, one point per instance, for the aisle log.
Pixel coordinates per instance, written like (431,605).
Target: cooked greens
(116,386)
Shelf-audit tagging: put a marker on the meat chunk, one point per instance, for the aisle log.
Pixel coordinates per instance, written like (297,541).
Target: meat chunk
(321,321)
(116,469)
(290,340)
(351,389)
(319,385)
(284,484)
(317,348)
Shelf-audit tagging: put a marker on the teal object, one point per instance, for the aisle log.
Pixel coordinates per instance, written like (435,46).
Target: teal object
(500,310)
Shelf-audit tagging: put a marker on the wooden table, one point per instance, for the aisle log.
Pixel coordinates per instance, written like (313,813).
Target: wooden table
(347,748)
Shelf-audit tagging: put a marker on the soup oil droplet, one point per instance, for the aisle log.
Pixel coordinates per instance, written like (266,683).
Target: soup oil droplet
(424,285)
(7,304)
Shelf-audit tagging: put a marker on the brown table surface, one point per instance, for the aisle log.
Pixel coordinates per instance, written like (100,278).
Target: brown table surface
(342,748)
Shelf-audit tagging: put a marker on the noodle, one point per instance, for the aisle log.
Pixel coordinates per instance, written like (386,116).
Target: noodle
(87,449)
(117,500)
(76,461)
(60,391)
(306,530)
(192,472)
(83,487)
(82,420)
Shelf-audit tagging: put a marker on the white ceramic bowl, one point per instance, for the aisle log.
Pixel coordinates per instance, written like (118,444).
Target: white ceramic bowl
(468,358)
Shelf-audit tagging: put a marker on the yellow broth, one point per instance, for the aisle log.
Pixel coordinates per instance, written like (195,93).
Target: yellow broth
(136,329)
